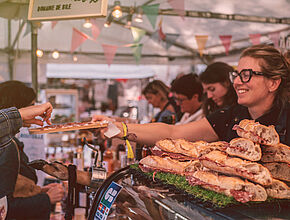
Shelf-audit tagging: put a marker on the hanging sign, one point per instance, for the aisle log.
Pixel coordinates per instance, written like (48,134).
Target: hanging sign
(66,9)
(107,201)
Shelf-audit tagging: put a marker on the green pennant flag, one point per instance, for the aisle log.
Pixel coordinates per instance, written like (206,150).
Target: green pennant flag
(151,11)
(137,49)
(137,34)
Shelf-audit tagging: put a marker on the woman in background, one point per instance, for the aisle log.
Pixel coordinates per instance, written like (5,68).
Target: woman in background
(218,87)
(156,93)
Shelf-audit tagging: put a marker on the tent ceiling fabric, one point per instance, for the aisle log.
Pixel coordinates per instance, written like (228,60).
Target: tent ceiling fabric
(98,71)
(60,37)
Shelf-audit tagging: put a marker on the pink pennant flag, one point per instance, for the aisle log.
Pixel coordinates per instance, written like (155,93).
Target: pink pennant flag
(77,39)
(95,29)
(255,38)
(275,36)
(109,51)
(53,23)
(162,36)
(201,42)
(178,6)
(226,41)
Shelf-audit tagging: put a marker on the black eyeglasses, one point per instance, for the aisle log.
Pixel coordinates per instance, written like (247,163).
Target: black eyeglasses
(245,75)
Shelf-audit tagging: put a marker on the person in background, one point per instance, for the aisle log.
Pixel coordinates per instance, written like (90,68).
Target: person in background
(188,93)
(287,56)
(156,93)
(17,94)
(260,82)
(11,120)
(218,87)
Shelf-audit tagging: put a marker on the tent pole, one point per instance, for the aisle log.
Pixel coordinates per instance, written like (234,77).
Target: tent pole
(10,52)
(34,58)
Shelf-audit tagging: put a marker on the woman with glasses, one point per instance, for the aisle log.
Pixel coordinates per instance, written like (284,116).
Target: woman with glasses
(218,88)
(261,86)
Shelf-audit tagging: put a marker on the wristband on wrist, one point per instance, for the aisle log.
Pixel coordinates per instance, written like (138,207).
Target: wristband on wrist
(130,153)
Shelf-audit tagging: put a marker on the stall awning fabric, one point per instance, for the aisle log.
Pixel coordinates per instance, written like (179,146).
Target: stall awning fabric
(98,71)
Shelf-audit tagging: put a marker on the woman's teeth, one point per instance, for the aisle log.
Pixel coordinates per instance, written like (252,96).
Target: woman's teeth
(241,91)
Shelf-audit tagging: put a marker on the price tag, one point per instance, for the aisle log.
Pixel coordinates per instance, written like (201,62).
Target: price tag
(107,201)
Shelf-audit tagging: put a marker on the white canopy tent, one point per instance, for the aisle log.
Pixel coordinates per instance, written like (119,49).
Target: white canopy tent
(208,17)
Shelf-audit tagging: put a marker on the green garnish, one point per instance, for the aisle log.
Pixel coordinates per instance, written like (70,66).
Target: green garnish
(217,199)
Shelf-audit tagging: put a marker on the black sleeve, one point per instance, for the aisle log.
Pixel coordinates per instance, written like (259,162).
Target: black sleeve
(219,121)
(34,207)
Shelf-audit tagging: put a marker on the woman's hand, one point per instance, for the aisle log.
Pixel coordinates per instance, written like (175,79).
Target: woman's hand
(29,114)
(102,131)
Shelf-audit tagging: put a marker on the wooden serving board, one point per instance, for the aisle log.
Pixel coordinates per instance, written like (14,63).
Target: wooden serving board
(68,127)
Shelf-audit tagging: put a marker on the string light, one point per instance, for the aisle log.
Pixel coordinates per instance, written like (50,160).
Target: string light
(39,53)
(87,24)
(108,21)
(129,18)
(55,54)
(117,10)
(75,58)
(139,16)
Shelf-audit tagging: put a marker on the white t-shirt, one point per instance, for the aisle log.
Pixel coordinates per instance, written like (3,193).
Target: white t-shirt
(186,118)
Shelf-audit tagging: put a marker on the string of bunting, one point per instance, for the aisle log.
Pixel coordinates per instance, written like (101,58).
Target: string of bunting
(165,40)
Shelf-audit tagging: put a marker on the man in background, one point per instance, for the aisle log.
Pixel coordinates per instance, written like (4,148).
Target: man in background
(188,94)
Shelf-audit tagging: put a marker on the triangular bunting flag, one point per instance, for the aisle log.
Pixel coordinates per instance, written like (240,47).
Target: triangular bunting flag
(155,36)
(226,41)
(201,42)
(137,49)
(137,34)
(95,29)
(170,39)
(255,38)
(178,6)
(28,29)
(275,38)
(77,39)
(162,36)
(110,52)
(151,11)
(53,23)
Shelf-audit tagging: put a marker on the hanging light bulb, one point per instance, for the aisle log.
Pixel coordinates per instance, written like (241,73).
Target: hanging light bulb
(129,18)
(39,53)
(139,16)
(129,21)
(55,54)
(117,10)
(75,58)
(87,24)
(108,21)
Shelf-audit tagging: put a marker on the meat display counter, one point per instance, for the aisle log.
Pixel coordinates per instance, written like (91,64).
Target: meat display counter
(131,194)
